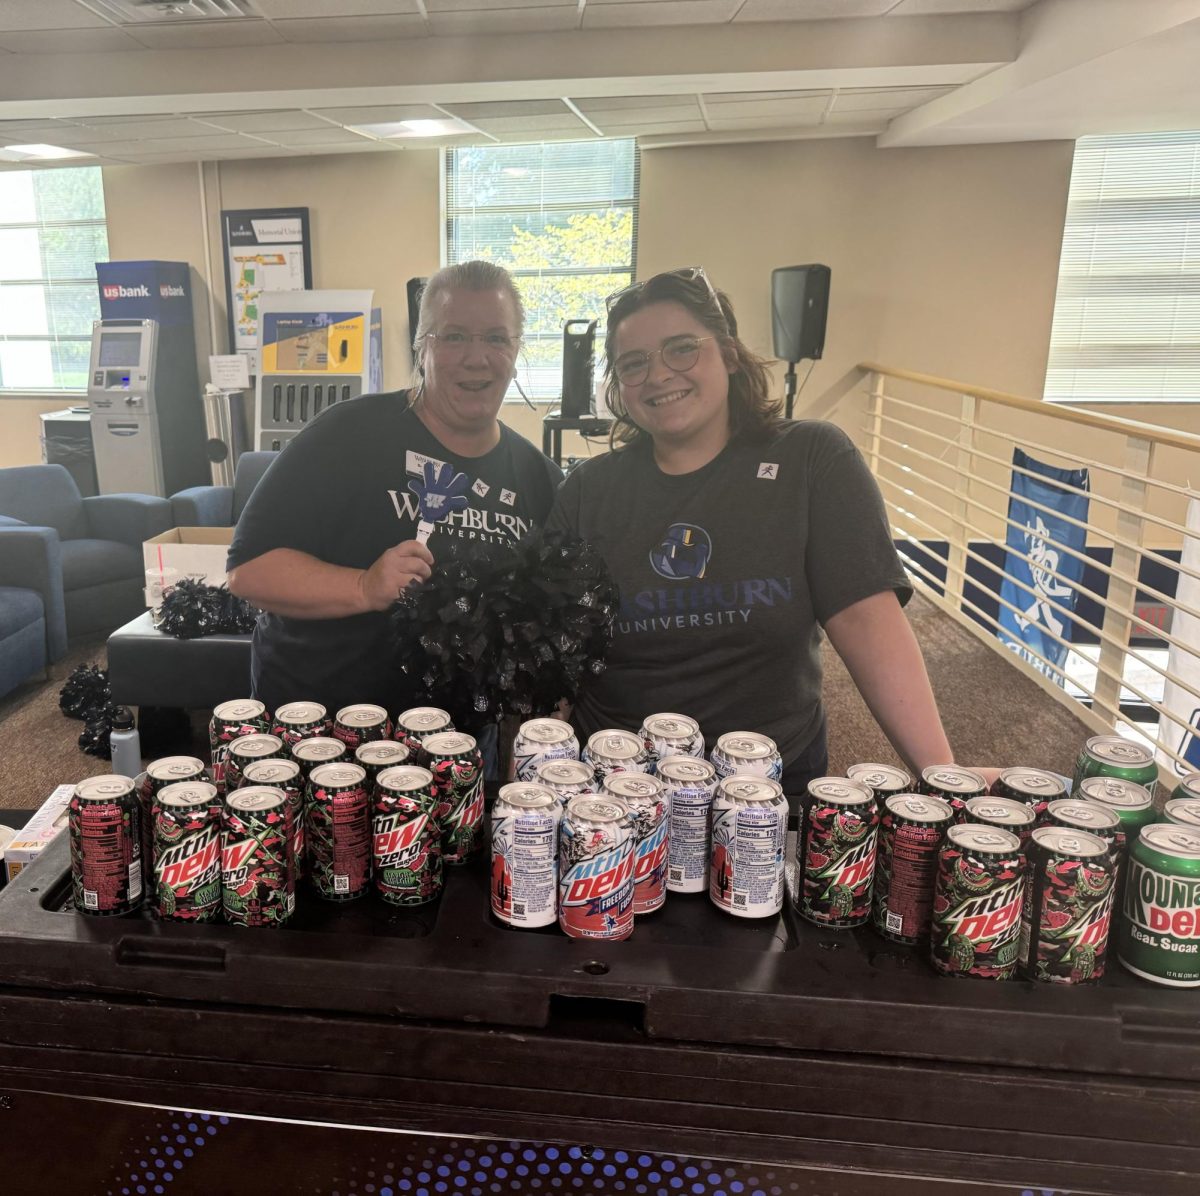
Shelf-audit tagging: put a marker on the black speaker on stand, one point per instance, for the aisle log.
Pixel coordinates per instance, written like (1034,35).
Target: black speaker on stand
(799,310)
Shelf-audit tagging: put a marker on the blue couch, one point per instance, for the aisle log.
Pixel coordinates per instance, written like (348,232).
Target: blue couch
(221,506)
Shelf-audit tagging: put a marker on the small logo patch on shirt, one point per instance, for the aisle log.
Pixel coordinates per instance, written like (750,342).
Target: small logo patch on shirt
(508,497)
(768,469)
(481,488)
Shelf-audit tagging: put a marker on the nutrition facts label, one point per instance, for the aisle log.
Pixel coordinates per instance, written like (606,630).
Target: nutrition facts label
(753,886)
(534,872)
(687,860)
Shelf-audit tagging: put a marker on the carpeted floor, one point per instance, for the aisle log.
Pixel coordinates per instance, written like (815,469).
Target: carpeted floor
(993,715)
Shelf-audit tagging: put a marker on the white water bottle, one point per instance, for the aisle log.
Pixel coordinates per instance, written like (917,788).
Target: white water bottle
(126,744)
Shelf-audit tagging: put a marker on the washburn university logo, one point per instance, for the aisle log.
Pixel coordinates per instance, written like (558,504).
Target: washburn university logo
(684,552)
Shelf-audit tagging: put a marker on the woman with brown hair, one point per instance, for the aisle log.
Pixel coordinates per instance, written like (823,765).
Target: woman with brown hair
(736,536)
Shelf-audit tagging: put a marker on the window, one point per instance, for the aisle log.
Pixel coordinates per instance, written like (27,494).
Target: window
(52,233)
(1127,313)
(563,218)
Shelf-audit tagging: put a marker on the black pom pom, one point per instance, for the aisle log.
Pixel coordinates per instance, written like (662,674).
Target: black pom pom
(85,689)
(94,738)
(512,633)
(191,609)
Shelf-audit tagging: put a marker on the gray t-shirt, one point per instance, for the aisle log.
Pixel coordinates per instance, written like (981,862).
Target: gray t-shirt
(725,576)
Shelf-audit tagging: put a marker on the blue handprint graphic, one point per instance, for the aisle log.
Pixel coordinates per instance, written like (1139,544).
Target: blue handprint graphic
(439,495)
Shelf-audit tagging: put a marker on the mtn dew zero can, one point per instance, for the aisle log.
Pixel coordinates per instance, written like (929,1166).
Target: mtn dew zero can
(689,786)
(187,853)
(105,829)
(378,755)
(749,830)
(300,720)
(911,831)
(884,780)
(258,870)
(748,754)
(524,886)
(338,834)
(1033,786)
(413,725)
(643,794)
(457,766)
(540,740)
(595,869)
(835,852)
(1066,906)
(406,839)
(671,735)
(566,779)
(250,747)
(361,723)
(1112,756)
(953,784)
(287,776)
(231,720)
(1006,812)
(1159,938)
(977,903)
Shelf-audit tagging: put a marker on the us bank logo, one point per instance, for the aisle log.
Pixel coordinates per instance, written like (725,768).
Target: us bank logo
(684,552)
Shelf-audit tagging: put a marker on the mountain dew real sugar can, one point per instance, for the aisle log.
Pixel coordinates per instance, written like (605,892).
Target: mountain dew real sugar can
(1112,756)
(1159,939)
(1185,811)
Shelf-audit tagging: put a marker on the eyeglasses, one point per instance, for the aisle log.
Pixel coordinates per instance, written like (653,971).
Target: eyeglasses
(677,353)
(453,343)
(684,274)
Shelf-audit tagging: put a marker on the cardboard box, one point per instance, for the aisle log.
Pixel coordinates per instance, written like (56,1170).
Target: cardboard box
(195,552)
(28,842)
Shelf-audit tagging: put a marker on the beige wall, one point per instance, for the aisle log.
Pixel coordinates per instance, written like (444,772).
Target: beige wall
(21,429)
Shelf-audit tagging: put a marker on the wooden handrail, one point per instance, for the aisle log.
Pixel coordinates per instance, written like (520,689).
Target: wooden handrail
(1108,423)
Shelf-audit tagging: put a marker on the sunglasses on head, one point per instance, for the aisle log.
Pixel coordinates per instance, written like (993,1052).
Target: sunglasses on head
(684,274)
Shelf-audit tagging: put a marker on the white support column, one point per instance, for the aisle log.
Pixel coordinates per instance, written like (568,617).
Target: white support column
(956,562)
(875,422)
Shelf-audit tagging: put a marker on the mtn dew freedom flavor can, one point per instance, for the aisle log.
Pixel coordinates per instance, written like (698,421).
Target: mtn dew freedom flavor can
(747,753)
(414,725)
(953,784)
(1033,786)
(615,751)
(457,768)
(361,723)
(1159,938)
(338,834)
(231,720)
(406,841)
(595,869)
(540,740)
(258,870)
(749,831)
(671,735)
(911,831)
(187,853)
(884,780)
(643,794)
(1113,756)
(689,786)
(835,853)
(300,720)
(525,828)
(566,779)
(1066,906)
(977,903)
(104,823)
(1004,812)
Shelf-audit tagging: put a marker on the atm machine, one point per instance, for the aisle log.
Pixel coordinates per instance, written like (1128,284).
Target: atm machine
(318,349)
(143,394)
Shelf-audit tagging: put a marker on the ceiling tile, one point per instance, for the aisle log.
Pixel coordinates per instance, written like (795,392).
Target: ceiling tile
(336,8)
(329,135)
(646,128)
(551,19)
(903,98)
(812,10)
(868,120)
(730,124)
(66,41)
(48,14)
(745,97)
(440,6)
(134,129)
(503,125)
(651,114)
(206,35)
(616,103)
(261,122)
(182,145)
(380,114)
(775,109)
(509,108)
(628,14)
(912,8)
(351,29)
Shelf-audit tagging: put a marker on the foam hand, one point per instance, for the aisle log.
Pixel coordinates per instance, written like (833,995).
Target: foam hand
(440,494)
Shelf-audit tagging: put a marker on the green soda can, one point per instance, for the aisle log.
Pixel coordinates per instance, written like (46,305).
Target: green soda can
(1112,756)
(1188,787)
(1183,811)
(1130,802)
(1159,939)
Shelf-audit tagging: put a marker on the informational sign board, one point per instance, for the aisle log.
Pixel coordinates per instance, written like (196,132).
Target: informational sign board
(266,249)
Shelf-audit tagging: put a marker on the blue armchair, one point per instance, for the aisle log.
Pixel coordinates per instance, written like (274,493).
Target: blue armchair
(221,506)
(82,555)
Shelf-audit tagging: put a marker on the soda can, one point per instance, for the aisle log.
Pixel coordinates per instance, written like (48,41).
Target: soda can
(671,735)
(977,903)
(911,831)
(1087,816)
(643,794)
(595,869)
(457,768)
(1188,787)
(412,726)
(246,750)
(1129,801)
(406,841)
(377,755)
(540,740)
(286,776)
(953,784)
(749,831)
(300,720)
(1159,937)
(689,786)
(1113,756)
(884,780)
(321,749)
(525,822)
(187,853)
(258,870)
(835,853)
(169,770)
(747,754)
(232,720)
(1033,786)
(1004,812)
(566,779)
(338,834)
(1183,811)
(361,723)
(1066,907)
(104,822)
(615,751)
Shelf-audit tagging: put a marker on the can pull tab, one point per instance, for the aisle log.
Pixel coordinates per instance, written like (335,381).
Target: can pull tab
(182,956)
